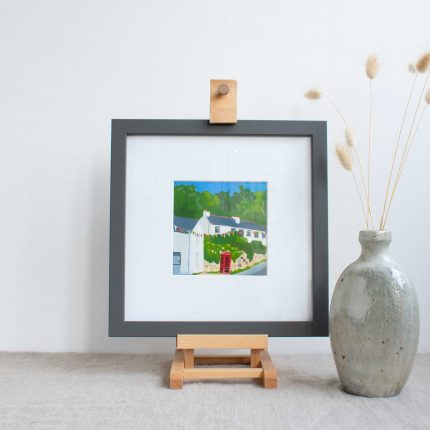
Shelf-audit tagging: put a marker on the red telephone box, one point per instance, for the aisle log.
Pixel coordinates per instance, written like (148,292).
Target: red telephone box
(225,262)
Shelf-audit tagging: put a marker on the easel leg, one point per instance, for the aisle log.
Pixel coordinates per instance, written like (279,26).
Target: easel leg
(270,377)
(255,358)
(177,371)
(189,358)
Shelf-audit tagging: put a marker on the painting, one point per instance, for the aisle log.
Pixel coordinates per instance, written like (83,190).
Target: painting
(220,228)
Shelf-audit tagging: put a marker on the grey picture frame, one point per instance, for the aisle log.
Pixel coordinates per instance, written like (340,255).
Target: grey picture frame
(315,130)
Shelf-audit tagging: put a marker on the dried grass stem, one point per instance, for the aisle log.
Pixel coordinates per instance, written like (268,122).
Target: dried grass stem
(359,196)
(369,151)
(357,156)
(335,107)
(393,161)
(407,147)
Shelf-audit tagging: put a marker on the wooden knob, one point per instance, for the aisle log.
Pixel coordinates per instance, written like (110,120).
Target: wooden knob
(223,90)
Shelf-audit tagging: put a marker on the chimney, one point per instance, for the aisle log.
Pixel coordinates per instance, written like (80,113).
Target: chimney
(237,219)
(206,213)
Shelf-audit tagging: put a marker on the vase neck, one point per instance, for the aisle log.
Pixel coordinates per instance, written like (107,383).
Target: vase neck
(374,243)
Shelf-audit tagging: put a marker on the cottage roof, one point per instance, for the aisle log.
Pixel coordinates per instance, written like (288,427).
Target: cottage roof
(187,224)
(230,222)
(251,226)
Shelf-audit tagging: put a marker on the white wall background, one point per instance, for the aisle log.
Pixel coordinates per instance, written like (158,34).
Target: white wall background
(68,67)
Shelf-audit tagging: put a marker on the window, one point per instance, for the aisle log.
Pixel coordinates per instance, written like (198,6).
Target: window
(248,233)
(263,235)
(176,258)
(256,234)
(176,263)
(233,229)
(217,229)
(241,232)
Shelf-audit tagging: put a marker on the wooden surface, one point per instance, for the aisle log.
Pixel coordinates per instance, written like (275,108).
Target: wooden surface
(195,341)
(223,103)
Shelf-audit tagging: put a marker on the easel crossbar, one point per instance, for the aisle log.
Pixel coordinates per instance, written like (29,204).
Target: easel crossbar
(201,341)
(222,373)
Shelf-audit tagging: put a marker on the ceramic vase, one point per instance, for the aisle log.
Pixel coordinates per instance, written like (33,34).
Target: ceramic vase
(374,321)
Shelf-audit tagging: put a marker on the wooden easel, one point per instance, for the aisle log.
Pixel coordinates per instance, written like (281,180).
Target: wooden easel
(223,110)
(260,364)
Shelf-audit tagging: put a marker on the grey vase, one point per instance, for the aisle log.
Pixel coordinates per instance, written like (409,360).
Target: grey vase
(374,321)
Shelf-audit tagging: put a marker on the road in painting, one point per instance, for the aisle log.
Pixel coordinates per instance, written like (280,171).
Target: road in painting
(220,228)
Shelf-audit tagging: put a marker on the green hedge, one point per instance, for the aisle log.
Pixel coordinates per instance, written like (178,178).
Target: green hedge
(236,244)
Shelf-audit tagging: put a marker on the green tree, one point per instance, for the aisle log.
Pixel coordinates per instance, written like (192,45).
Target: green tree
(246,204)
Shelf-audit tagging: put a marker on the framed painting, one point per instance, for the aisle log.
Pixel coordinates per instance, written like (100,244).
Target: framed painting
(218,228)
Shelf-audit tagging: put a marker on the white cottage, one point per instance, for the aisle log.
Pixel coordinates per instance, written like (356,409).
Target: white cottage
(187,246)
(214,224)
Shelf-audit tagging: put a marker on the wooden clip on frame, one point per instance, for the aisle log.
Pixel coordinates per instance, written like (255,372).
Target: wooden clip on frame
(223,101)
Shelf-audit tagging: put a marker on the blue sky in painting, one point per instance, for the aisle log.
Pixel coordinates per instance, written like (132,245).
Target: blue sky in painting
(229,187)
